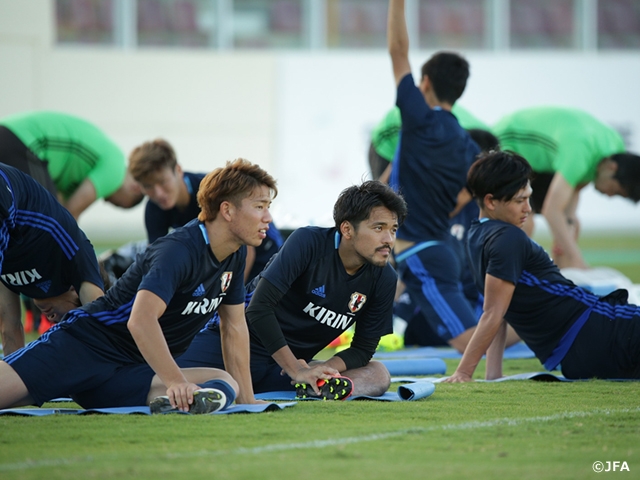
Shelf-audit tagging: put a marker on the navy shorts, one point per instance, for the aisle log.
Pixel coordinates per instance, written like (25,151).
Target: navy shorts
(605,347)
(69,360)
(432,277)
(206,351)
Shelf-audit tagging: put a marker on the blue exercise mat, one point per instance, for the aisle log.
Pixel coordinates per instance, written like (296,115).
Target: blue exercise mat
(40,412)
(415,366)
(414,391)
(518,350)
(535,376)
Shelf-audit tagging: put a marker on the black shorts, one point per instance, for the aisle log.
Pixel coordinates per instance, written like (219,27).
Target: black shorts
(540,185)
(15,154)
(377,164)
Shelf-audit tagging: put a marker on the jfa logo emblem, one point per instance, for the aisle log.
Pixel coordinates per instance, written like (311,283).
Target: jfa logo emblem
(225,280)
(357,301)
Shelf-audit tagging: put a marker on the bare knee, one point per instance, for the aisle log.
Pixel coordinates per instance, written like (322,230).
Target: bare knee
(373,379)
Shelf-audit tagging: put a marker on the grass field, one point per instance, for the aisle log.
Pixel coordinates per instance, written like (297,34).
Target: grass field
(524,430)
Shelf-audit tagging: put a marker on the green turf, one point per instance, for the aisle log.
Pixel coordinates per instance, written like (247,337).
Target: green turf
(523,430)
(520,429)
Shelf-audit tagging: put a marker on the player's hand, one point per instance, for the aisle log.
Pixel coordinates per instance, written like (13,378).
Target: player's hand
(458,377)
(303,364)
(311,375)
(181,395)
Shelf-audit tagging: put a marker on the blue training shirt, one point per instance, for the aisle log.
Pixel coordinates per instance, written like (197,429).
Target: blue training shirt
(433,157)
(181,269)
(545,304)
(321,300)
(43,252)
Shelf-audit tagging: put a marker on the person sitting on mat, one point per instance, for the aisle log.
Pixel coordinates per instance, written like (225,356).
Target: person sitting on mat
(320,283)
(587,336)
(120,349)
(44,255)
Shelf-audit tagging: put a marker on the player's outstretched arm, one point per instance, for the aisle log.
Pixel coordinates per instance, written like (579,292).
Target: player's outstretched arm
(498,294)
(147,333)
(398,40)
(495,353)
(235,349)
(10,321)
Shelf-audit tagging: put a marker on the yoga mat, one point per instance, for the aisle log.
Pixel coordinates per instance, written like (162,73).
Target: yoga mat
(415,366)
(519,350)
(39,412)
(415,391)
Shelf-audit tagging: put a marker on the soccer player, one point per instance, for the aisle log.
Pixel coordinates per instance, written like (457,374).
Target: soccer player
(587,335)
(430,170)
(385,136)
(70,157)
(119,350)
(567,150)
(43,255)
(322,281)
(171,191)
(173,199)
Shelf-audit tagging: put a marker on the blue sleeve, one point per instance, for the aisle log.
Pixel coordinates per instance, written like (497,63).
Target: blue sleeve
(506,254)
(413,107)
(85,265)
(292,260)
(167,265)
(155,221)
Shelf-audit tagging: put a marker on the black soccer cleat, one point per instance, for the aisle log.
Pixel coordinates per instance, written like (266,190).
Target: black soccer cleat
(205,400)
(336,388)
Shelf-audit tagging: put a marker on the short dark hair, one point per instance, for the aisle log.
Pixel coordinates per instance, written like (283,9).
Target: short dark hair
(486,140)
(448,73)
(501,174)
(356,202)
(628,174)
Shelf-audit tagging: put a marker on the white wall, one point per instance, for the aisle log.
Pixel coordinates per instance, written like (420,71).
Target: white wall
(304,116)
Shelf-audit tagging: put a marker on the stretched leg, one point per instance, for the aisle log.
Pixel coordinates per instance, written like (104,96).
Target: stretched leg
(193,375)
(13,391)
(373,379)
(432,280)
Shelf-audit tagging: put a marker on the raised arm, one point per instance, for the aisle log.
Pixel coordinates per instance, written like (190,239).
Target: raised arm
(497,297)
(398,40)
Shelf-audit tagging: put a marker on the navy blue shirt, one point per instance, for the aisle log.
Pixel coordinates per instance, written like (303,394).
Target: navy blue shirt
(321,300)
(181,269)
(159,221)
(433,157)
(43,252)
(545,303)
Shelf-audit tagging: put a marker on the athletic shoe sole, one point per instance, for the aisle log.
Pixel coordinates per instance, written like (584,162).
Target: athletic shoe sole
(205,400)
(336,388)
